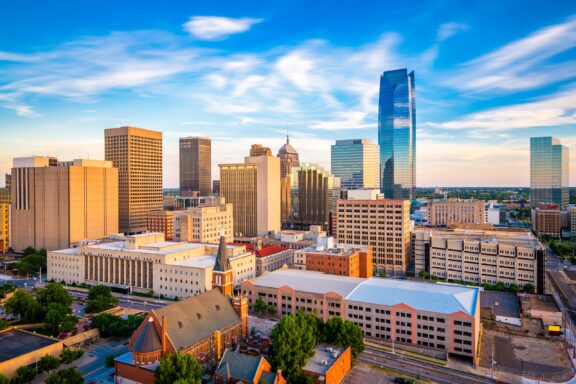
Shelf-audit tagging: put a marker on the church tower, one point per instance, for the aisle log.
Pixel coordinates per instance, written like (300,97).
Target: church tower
(222,277)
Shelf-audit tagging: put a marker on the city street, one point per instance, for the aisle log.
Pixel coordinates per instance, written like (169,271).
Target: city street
(126,301)
(93,364)
(432,372)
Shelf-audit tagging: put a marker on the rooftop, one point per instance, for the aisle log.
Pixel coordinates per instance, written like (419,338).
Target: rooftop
(323,359)
(16,343)
(265,250)
(196,262)
(309,281)
(433,297)
(516,238)
(239,366)
(503,304)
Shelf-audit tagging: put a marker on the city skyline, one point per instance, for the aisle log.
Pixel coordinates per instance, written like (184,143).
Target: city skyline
(246,76)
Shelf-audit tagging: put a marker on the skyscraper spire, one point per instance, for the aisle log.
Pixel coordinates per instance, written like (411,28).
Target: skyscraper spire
(222,262)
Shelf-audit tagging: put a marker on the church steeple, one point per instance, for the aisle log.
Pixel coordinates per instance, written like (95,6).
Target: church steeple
(222,262)
(222,274)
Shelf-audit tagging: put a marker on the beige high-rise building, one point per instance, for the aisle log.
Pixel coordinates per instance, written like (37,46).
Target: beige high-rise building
(57,204)
(253,188)
(137,153)
(382,224)
(289,158)
(455,211)
(314,192)
(204,223)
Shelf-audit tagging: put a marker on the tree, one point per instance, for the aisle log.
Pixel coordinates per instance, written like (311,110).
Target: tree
(24,375)
(53,293)
(424,274)
(111,325)
(4,379)
(48,363)
(293,344)
(23,305)
(178,368)
(260,306)
(66,376)
(100,298)
(499,287)
(513,288)
(56,314)
(529,288)
(343,334)
(69,355)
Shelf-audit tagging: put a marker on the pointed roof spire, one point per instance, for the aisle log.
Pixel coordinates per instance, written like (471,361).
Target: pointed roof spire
(222,262)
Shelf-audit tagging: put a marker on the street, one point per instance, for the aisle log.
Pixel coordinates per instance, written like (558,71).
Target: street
(126,301)
(432,372)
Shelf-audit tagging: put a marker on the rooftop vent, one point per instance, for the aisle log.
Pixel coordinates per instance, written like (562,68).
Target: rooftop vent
(199,316)
(180,325)
(217,307)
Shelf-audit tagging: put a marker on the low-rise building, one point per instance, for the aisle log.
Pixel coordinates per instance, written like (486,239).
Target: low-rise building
(573,221)
(4,227)
(204,222)
(480,256)
(146,263)
(336,259)
(161,221)
(329,364)
(550,220)
(291,239)
(236,367)
(456,211)
(442,317)
(204,326)
(270,257)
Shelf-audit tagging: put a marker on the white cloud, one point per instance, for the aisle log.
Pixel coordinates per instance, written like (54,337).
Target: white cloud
(522,64)
(447,30)
(553,110)
(23,110)
(216,27)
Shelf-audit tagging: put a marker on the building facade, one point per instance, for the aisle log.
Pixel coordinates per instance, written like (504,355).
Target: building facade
(549,220)
(205,223)
(4,227)
(549,172)
(146,262)
(442,317)
(341,259)
(382,224)
(397,134)
(253,189)
(161,221)
(314,192)
(204,326)
(195,165)
(456,211)
(57,204)
(573,222)
(259,150)
(289,158)
(270,257)
(137,153)
(480,256)
(356,163)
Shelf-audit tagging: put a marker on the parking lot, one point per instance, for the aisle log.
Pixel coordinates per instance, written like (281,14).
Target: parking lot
(534,358)
(363,373)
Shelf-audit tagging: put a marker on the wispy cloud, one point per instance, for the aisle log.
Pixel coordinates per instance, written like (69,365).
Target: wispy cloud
(447,30)
(555,110)
(216,27)
(523,64)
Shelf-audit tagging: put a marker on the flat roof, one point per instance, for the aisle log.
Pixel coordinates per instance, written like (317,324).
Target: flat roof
(308,281)
(324,358)
(520,239)
(433,297)
(196,262)
(503,304)
(16,343)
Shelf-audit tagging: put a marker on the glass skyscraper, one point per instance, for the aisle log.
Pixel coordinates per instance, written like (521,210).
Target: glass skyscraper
(355,162)
(397,134)
(549,161)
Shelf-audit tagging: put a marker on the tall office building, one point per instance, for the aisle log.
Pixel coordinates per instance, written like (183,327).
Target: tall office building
(397,134)
(259,150)
(288,158)
(382,224)
(314,192)
(549,164)
(58,204)
(195,165)
(253,189)
(137,153)
(355,162)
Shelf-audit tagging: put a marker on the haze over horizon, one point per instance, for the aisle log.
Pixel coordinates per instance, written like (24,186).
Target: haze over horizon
(488,77)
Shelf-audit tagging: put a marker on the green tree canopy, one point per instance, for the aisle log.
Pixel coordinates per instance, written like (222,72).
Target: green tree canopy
(114,326)
(178,368)
(344,333)
(66,376)
(23,305)
(53,293)
(260,306)
(293,343)
(48,363)
(58,318)
(529,288)
(100,298)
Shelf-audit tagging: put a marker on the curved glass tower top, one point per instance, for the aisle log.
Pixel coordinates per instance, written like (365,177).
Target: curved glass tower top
(397,134)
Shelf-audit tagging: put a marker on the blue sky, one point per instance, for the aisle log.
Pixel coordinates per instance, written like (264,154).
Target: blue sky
(489,75)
